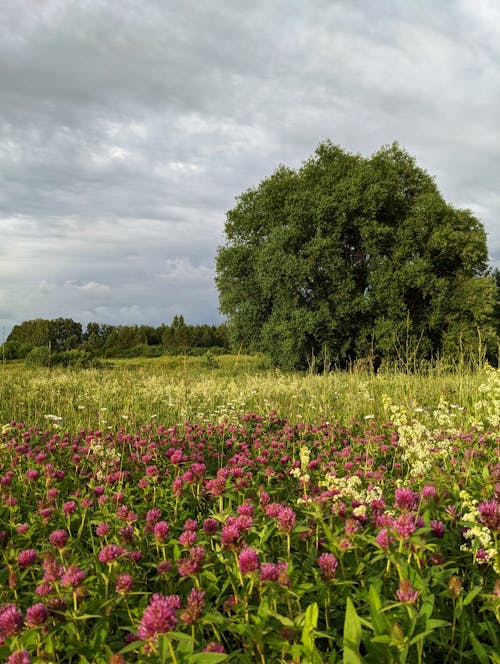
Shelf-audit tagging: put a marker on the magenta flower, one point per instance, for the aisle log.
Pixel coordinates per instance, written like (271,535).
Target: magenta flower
(58,538)
(286,519)
(187,538)
(43,589)
(405,525)
(36,614)
(194,606)
(161,531)
(127,534)
(194,563)
(153,515)
(11,621)
(45,513)
(405,499)
(210,526)
(273,509)
(27,558)
(73,577)
(164,567)
(69,507)
(124,583)
(52,570)
(246,509)
(489,511)
(248,561)
(19,657)
(110,553)
(429,492)
(275,572)
(213,646)
(406,593)
(22,528)
(158,617)
(351,527)
(102,529)
(328,565)
(134,555)
(229,535)
(437,528)
(383,539)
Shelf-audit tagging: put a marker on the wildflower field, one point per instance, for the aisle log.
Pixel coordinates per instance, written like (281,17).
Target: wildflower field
(169,514)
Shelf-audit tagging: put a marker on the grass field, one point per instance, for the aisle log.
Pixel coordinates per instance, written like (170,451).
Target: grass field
(174,389)
(164,511)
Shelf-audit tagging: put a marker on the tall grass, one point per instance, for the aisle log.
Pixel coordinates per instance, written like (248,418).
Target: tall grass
(172,390)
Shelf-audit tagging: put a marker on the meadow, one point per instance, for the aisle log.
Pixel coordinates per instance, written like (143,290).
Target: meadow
(179,510)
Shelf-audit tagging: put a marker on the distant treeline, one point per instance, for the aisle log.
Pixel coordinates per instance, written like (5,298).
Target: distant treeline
(65,341)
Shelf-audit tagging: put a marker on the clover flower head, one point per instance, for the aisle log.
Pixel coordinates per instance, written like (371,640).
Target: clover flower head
(328,565)
(248,561)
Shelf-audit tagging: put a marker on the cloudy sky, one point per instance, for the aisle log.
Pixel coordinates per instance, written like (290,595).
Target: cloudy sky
(128,127)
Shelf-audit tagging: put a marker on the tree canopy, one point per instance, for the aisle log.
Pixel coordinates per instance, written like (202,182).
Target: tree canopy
(61,336)
(352,257)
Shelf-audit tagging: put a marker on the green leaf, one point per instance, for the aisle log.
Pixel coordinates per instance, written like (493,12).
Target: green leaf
(374,598)
(284,620)
(312,613)
(263,610)
(135,645)
(310,622)
(471,594)
(352,634)
(479,650)
(207,658)
(435,623)
(427,607)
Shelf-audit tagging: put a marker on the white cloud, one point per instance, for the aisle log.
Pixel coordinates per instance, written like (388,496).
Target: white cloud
(128,128)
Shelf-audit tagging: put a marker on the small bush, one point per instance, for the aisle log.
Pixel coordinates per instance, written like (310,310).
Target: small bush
(208,361)
(38,357)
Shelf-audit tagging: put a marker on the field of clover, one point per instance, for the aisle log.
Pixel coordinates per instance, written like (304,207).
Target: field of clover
(255,539)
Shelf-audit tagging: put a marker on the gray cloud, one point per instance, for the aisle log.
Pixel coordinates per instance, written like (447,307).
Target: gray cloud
(129,126)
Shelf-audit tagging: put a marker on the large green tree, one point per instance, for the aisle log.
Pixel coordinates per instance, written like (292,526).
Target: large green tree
(353,257)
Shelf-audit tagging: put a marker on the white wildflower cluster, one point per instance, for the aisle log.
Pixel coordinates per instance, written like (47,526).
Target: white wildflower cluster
(55,419)
(229,411)
(478,536)
(351,488)
(418,442)
(486,412)
(301,473)
(106,457)
(445,418)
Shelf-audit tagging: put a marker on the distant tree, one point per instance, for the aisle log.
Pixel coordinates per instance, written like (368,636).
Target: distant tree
(496,279)
(64,333)
(353,257)
(59,334)
(32,332)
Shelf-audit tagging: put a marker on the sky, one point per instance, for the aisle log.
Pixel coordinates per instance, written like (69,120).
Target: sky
(129,127)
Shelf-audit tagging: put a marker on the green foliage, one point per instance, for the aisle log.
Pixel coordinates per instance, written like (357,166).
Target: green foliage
(38,357)
(354,558)
(63,335)
(208,361)
(41,356)
(355,258)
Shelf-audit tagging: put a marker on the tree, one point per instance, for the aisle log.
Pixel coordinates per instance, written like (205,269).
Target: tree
(59,334)
(352,257)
